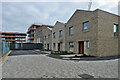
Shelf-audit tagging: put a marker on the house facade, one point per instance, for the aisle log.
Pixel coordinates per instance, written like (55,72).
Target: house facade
(93,33)
(44,36)
(58,37)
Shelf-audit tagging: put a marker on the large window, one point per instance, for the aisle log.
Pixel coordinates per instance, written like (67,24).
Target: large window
(86,25)
(87,44)
(60,33)
(116,30)
(54,45)
(71,30)
(54,35)
(71,44)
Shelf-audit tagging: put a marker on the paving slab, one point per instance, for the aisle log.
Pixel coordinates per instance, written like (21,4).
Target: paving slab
(41,66)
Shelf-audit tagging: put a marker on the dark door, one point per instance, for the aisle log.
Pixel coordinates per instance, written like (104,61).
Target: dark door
(47,46)
(58,46)
(81,47)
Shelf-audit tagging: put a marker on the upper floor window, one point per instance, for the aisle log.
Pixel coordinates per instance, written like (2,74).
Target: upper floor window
(116,30)
(45,37)
(86,25)
(71,44)
(54,45)
(54,35)
(60,33)
(71,30)
(48,35)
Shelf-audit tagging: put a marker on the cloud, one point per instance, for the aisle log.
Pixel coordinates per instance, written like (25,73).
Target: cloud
(18,16)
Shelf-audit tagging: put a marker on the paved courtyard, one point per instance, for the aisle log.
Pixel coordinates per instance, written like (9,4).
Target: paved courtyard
(33,64)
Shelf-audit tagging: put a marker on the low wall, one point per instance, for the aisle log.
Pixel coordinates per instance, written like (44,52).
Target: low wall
(25,46)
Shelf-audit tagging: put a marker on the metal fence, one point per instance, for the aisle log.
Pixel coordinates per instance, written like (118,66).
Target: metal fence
(0,47)
(5,47)
(25,46)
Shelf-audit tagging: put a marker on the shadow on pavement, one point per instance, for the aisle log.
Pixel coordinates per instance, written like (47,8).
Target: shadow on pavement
(24,52)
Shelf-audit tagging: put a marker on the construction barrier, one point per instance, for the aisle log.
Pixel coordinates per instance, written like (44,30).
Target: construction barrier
(0,47)
(5,47)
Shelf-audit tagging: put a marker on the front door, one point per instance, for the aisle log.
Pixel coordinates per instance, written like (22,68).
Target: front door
(81,47)
(58,46)
(47,46)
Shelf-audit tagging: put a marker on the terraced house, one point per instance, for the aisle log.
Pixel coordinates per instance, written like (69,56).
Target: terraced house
(93,33)
(58,37)
(44,36)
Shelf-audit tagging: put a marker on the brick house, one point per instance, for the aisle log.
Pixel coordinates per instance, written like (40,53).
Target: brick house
(93,33)
(58,37)
(43,36)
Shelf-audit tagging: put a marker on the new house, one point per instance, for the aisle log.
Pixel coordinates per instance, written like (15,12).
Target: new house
(58,37)
(93,33)
(44,36)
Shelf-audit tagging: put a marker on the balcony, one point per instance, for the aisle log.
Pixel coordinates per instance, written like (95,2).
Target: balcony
(12,36)
(12,40)
(31,38)
(31,29)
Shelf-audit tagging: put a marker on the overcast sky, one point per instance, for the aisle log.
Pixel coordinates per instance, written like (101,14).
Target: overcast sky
(18,16)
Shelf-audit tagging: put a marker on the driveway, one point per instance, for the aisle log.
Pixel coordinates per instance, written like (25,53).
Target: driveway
(33,64)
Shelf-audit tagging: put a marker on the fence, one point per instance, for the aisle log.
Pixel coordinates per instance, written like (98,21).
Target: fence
(0,47)
(25,46)
(5,47)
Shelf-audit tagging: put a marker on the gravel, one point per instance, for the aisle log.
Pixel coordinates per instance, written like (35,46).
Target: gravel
(42,66)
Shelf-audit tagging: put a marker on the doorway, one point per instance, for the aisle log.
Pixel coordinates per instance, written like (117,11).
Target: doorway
(58,46)
(47,46)
(81,47)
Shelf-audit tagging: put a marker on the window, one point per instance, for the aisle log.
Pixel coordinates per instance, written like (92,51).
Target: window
(54,45)
(45,37)
(49,36)
(71,30)
(87,44)
(54,35)
(116,30)
(71,44)
(86,25)
(60,33)
(45,45)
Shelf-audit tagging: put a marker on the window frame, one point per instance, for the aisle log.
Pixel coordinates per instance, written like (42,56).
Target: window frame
(88,44)
(60,34)
(48,35)
(71,46)
(88,25)
(45,37)
(54,45)
(54,35)
(115,31)
(71,32)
